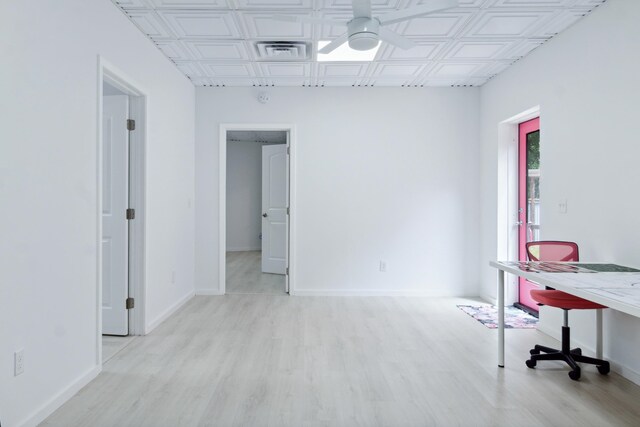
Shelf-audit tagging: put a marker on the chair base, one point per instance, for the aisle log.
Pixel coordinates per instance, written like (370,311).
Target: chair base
(570,356)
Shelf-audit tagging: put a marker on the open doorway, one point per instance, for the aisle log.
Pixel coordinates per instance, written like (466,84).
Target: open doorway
(121,154)
(255,209)
(256,253)
(528,203)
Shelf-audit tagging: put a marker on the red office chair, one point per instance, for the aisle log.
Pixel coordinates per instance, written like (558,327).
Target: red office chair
(561,251)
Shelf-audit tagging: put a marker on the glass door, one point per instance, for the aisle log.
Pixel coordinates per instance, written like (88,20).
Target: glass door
(528,201)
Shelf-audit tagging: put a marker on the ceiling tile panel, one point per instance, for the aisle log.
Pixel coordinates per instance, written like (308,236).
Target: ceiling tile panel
(131,4)
(339,81)
(273,69)
(397,70)
(343,70)
(478,50)
(461,3)
(219,50)
(188,4)
(436,25)
(174,49)
(561,21)
(263,26)
(389,81)
(533,3)
(425,50)
(328,32)
(522,48)
(201,24)
(213,41)
(444,70)
(274,4)
(375,4)
(150,24)
(218,70)
(508,24)
(190,68)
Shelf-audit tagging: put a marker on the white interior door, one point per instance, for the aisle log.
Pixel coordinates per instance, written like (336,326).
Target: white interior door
(115,200)
(274,208)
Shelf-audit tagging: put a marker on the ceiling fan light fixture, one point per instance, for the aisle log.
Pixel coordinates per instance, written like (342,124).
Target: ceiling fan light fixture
(363,33)
(363,41)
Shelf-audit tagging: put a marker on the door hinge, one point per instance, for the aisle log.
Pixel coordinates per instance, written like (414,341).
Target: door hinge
(287,271)
(288,150)
(129,303)
(287,210)
(131,124)
(131,213)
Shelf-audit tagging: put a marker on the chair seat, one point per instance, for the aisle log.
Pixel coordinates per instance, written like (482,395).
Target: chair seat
(562,300)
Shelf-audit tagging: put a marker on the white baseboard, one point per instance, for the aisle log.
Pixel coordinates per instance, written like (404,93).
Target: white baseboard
(208,292)
(625,371)
(368,293)
(61,398)
(168,312)
(244,249)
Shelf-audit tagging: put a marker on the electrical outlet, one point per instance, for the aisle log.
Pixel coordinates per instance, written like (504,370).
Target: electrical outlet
(562,206)
(173,277)
(18,362)
(383,266)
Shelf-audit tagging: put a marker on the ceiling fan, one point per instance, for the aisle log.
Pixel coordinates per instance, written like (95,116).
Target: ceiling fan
(364,31)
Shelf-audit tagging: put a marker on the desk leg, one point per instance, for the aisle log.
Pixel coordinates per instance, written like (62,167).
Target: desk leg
(599,334)
(501,318)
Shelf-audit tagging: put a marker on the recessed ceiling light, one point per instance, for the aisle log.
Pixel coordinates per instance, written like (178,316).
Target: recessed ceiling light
(345,53)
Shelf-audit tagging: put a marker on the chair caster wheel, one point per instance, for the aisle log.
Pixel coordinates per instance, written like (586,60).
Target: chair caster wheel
(575,375)
(604,369)
(534,352)
(531,363)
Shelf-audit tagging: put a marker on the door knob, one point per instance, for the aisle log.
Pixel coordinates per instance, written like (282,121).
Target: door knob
(265,215)
(519,223)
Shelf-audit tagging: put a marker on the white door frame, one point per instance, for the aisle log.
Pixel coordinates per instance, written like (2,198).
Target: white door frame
(507,209)
(222,197)
(137,190)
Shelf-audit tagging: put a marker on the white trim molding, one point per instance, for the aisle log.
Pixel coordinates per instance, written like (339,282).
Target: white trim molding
(60,398)
(169,311)
(137,229)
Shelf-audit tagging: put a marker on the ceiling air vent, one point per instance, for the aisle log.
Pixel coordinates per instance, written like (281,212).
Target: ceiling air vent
(283,51)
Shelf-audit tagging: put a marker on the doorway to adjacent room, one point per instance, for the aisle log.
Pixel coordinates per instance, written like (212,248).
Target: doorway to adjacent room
(528,202)
(121,207)
(257,209)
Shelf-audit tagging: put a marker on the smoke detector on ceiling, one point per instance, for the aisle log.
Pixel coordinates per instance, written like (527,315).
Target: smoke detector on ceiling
(283,51)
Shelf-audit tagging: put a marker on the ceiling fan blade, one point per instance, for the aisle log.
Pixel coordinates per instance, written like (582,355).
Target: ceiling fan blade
(308,19)
(395,39)
(412,12)
(335,43)
(361,8)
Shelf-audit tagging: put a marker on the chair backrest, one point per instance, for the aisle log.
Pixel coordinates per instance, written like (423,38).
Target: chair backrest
(551,250)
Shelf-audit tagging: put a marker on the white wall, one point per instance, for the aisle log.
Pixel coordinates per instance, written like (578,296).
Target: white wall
(244,195)
(586,83)
(48,190)
(382,174)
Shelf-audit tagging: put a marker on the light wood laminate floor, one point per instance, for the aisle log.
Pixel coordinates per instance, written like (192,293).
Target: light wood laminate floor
(111,345)
(264,360)
(245,276)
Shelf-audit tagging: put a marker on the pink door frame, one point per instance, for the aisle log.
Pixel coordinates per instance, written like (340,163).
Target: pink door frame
(524,286)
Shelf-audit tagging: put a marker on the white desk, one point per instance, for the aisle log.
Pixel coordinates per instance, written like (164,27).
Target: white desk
(619,291)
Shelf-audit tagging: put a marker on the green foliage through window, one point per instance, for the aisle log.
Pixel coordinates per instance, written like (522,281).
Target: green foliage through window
(533,150)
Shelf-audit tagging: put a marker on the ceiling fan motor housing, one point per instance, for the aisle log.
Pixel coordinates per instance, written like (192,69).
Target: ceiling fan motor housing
(363,33)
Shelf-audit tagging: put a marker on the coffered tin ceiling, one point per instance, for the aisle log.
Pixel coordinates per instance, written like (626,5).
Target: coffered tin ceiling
(213,42)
